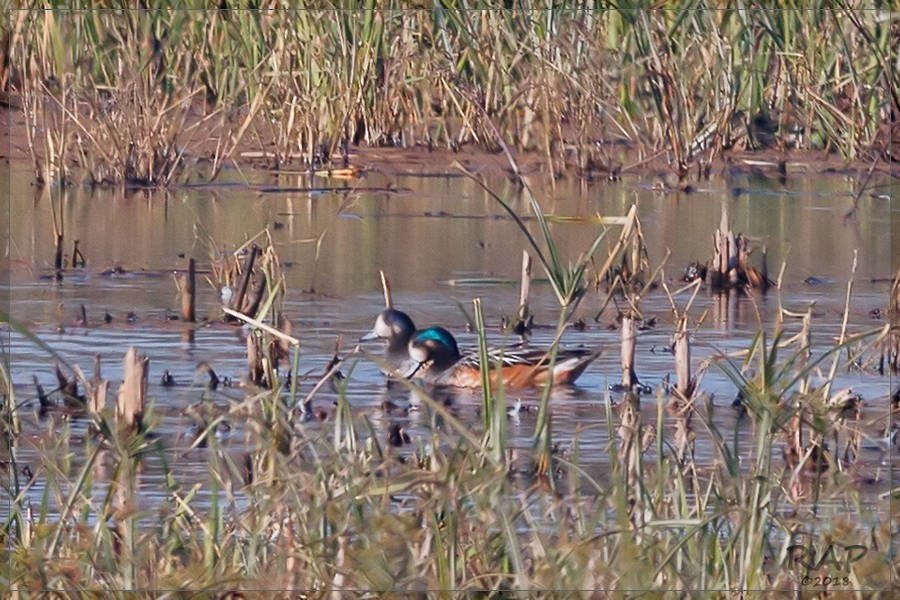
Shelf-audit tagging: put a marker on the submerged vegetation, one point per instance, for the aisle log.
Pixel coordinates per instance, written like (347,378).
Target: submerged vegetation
(130,96)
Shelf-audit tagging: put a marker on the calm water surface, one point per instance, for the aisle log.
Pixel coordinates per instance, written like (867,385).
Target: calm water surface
(442,241)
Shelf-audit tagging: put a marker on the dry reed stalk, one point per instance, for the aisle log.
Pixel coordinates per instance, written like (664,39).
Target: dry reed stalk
(525,288)
(629,338)
(77,256)
(98,391)
(189,292)
(256,360)
(133,391)
(254,298)
(260,325)
(684,382)
(844,322)
(237,300)
(386,288)
(893,344)
(722,275)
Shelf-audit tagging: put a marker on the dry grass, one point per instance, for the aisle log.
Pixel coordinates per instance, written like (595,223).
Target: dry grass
(124,96)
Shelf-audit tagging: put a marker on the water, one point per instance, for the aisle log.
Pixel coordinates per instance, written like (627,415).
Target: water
(442,241)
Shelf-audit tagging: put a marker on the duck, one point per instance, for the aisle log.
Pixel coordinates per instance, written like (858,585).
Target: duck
(396,328)
(432,355)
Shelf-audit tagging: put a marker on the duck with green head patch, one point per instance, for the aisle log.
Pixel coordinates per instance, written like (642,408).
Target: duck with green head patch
(440,362)
(432,355)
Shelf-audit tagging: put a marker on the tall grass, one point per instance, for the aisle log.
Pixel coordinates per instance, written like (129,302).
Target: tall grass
(333,509)
(124,95)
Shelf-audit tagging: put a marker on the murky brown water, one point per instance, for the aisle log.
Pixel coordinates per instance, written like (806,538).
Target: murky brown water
(425,232)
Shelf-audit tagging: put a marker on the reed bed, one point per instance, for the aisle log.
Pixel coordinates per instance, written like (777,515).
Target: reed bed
(334,507)
(135,96)
(337,507)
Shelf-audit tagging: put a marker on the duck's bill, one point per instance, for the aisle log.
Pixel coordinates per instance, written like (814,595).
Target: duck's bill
(369,337)
(409,369)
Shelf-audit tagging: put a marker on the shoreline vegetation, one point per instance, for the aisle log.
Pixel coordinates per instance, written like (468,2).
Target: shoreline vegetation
(325,503)
(151,98)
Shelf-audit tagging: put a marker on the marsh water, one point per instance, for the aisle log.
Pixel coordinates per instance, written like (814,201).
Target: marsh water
(443,242)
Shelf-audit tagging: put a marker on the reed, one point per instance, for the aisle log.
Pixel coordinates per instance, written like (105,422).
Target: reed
(330,509)
(446,516)
(125,96)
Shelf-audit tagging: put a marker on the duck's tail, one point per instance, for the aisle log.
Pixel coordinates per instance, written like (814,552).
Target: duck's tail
(571,364)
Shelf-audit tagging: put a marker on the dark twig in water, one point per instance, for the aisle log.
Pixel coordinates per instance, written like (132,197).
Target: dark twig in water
(77,257)
(237,301)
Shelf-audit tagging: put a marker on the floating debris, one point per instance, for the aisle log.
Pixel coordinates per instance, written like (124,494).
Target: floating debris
(114,271)
(167,380)
(695,270)
(397,435)
(817,280)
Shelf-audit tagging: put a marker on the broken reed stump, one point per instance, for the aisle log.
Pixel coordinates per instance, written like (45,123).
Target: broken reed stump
(254,298)
(133,391)
(730,268)
(524,318)
(98,391)
(58,259)
(265,352)
(189,293)
(629,337)
(684,382)
(237,300)
(258,360)
(723,273)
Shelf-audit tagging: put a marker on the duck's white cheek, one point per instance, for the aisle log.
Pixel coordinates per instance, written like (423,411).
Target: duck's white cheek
(382,328)
(417,353)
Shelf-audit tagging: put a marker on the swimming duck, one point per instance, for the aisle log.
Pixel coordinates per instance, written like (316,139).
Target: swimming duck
(397,329)
(432,355)
(440,362)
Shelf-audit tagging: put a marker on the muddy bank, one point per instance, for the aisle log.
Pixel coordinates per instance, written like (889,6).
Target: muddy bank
(616,158)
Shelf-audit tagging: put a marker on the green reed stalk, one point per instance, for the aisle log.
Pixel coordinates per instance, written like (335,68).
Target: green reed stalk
(487,393)
(542,439)
(212,528)
(493,407)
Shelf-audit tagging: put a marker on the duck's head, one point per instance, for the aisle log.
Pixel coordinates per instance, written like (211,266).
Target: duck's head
(392,325)
(434,347)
